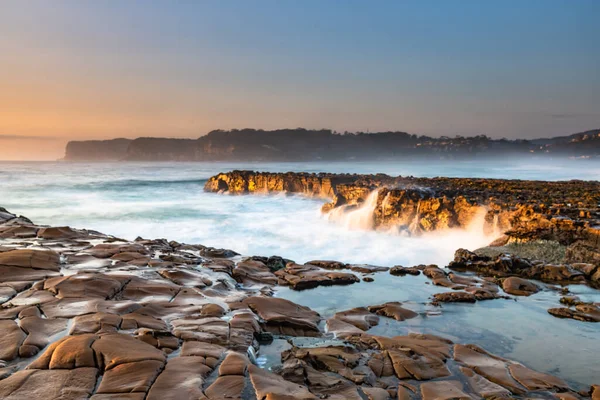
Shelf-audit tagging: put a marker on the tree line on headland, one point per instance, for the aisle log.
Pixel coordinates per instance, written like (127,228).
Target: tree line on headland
(326,145)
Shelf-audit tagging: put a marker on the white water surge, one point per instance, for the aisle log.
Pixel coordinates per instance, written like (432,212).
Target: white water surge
(362,217)
(167,200)
(356,217)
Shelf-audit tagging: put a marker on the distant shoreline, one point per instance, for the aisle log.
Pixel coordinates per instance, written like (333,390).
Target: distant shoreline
(301,145)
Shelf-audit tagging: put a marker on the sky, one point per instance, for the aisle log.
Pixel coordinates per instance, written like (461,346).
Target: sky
(93,70)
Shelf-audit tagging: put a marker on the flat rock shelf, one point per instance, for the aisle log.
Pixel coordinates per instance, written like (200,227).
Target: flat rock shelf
(88,315)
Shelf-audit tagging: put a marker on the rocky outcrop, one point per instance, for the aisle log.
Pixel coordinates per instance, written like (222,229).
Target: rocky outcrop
(566,212)
(506,265)
(519,287)
(87,315)
(308,276)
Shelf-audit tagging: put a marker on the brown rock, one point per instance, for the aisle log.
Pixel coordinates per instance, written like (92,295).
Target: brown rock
(533,380)
(40,331)
(209,329)
(399,270)
(146,291)
(62,384)
(375,393)
(519,287)
(119,396)
(186,278)
(130,377)
(11,338)
(85,285)
(307,276)
(202,349)
(252,272)
(439,277)
(417,356)
(454,297)
(28,258)
(226,387)
(583,312)
(15,274)
(443,390)
(393,310)
(18,232)
(595,392)
(67,353)
(359,317)
(234,364)
(94,323)
(182,378)
(116,349)
(72,307)
(285,317)
(58,232)
(367,268)
(269,386)
(482,386)
(493,368)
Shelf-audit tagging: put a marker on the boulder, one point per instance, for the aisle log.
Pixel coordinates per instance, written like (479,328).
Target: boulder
(519,286)
(300,277)
(454,297)
(399,270)
(393,310)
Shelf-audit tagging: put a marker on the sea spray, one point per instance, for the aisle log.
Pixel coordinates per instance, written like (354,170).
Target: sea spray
(414,225)
(360,217)
(82,195)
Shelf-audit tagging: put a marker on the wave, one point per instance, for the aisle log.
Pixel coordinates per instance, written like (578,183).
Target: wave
(133,183)
(356,217)
(362,217)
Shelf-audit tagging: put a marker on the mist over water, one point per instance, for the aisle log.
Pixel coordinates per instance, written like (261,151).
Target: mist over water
(166,200)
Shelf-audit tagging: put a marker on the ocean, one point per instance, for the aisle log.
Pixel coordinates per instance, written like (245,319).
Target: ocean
(166,200)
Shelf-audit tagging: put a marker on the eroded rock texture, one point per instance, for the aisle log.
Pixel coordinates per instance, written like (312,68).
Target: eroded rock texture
(88,316)
(567,212)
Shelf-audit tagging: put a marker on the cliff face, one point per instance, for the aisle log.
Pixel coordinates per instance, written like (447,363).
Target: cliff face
(160,149)
(324,145)
(567,212)
(97,150)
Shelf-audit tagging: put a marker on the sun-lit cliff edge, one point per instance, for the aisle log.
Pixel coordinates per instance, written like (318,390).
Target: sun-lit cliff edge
(326,145)
(518,211)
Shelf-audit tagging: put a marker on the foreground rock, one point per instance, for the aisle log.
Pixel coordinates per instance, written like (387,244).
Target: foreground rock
(308,276)
(506,265)
(85,315)
(586,312)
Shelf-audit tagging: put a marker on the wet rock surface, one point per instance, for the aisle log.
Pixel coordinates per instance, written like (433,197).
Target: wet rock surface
(567,212)
(86,315)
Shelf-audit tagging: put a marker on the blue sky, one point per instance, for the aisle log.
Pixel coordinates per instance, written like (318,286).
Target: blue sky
(181,68)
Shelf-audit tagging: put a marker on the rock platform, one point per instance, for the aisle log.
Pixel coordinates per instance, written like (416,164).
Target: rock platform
(84,315)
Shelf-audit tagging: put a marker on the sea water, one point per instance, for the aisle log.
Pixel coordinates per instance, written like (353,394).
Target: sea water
(166,200)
